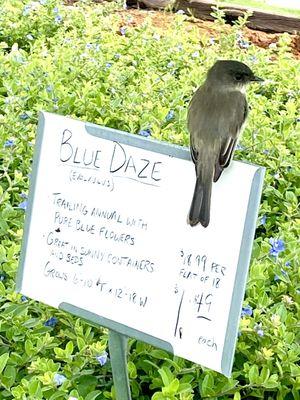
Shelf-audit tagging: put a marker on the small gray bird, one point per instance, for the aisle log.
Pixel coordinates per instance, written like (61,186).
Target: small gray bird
(216,116)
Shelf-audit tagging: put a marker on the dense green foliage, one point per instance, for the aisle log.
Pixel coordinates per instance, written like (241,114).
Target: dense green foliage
(91,62)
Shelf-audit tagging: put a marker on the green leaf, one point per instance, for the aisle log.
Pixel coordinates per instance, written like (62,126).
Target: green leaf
(158,396)
(80,343)
(272,382)
(60,353)
(9,376)
(2,289)
(166,375)
(131,370)
(69,348)
(253,374)
(237,396)
(2,253)
(160,354)
(15,309)
(93,395)
(32,322)
(291,197)
(172,388)
(296,393)
(34,389)
(264,373)
(87,384)
(295,370)
(3,360)
(184,388)
(29,348)
(207,385)
(57,395)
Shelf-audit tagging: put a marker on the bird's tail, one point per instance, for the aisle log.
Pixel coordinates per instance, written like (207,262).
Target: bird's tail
(200,207)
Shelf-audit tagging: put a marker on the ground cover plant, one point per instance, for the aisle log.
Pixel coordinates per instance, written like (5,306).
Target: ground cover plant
(93,62)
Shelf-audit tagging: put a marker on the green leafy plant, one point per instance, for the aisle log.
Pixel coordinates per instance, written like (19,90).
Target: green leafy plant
(94,63)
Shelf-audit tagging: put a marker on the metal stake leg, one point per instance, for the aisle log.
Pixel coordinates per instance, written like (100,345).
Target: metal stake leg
(117,344)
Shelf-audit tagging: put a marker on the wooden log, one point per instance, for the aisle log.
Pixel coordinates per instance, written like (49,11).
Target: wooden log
(260,20)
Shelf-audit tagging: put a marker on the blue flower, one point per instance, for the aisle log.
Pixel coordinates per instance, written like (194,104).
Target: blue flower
(26,9)
(51,322)
(3,276)
(58,19)
(55,10)
(108,65)
(19,59)
(247,311)
(243,43)
(211,41)
(277,246)
(263,220)
(266,151)
(240,147)
(195,54)
(117,56)
(49,88)
(276,278)
(9,143)
(288,264)
(258,329)
(29,37)
(260,332)
(170,115)
(59,379)
(102,358)
(24,298)
(284,273)
(24,116)
(23,205)
(123,30)
(170,64)
(145,132)
(253,59)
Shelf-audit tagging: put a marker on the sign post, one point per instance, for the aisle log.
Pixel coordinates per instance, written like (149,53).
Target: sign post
(106,239)
(118,357)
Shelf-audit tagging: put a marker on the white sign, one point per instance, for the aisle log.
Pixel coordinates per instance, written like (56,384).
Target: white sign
(107,232)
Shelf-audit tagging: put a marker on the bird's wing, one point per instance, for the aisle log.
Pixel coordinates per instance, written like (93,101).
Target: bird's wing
(193,121)
(233,129)
(194,153)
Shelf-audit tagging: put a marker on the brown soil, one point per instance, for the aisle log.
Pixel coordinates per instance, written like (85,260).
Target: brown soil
(162,19)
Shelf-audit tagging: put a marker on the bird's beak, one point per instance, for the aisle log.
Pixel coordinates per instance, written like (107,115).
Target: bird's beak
(256,79)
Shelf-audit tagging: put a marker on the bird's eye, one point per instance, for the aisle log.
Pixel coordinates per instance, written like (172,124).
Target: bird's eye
(238,77)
